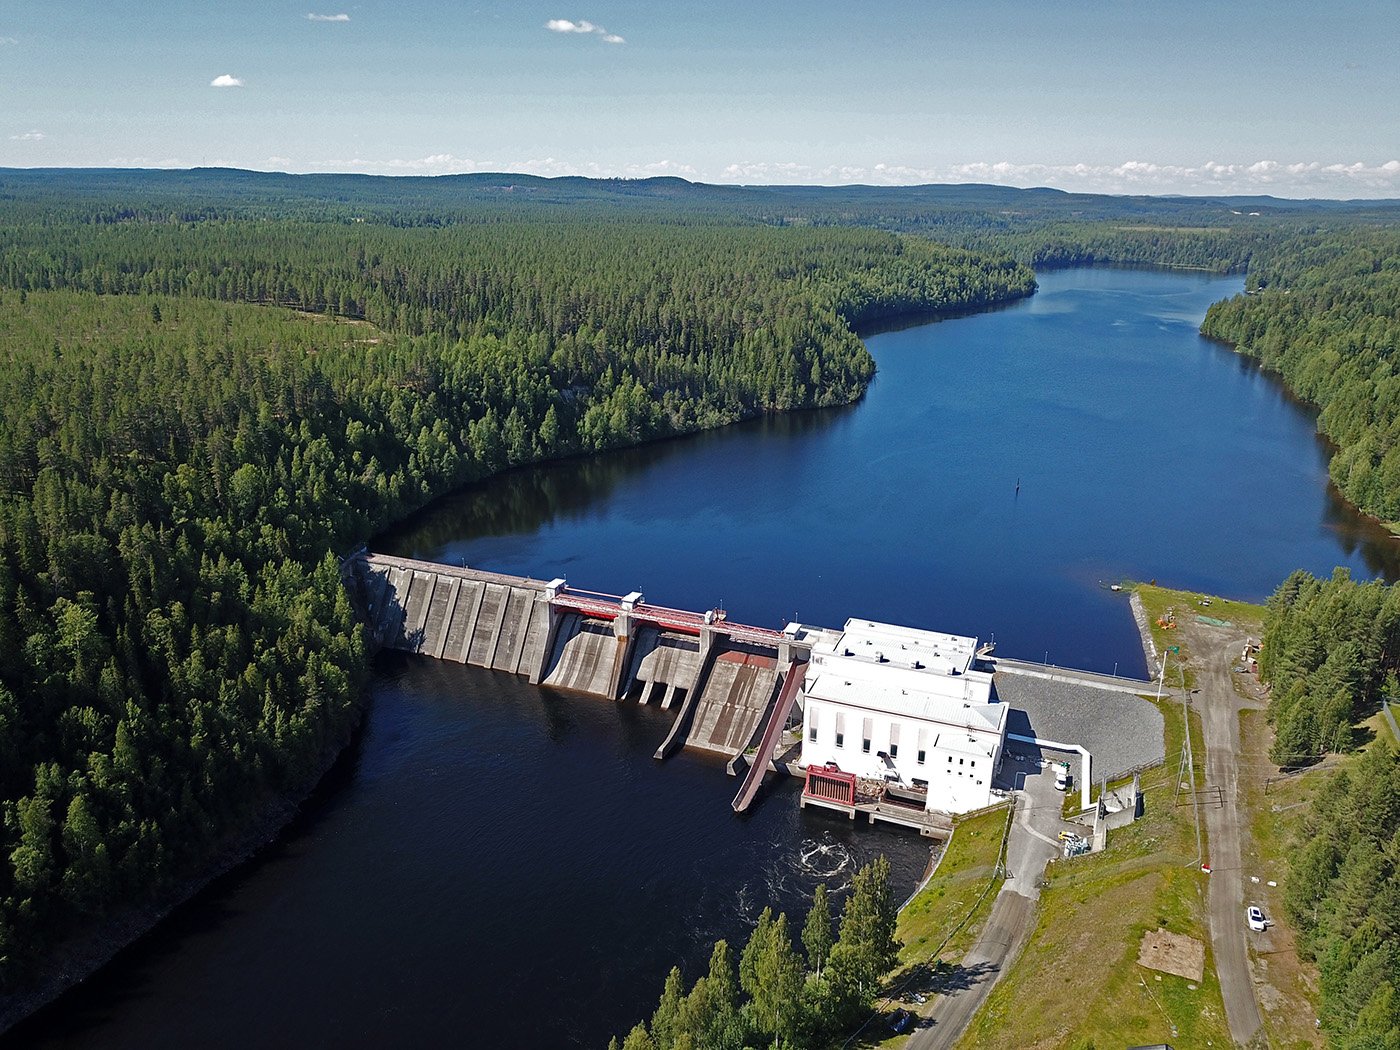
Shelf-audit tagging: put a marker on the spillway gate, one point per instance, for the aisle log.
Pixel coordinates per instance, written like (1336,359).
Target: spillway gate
(731,685)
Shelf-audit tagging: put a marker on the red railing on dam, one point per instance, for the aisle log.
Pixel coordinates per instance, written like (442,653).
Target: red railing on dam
(610,606)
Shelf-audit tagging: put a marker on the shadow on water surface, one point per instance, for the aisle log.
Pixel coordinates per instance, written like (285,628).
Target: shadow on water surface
(134,974)
(527,499)
(1361,536)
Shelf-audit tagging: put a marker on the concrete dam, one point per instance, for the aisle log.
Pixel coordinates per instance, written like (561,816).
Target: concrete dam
(736,689)
(733,687)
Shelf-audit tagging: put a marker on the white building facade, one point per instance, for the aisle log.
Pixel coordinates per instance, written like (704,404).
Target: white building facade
(906,707)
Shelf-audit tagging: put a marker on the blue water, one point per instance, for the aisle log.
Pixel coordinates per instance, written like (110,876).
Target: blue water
(1141,450)
(494,865)
(498,865)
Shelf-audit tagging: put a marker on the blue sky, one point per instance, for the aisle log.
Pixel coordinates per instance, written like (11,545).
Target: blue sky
(1098,95)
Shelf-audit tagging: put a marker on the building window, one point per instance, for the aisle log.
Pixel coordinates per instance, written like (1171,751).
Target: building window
(865,745)
(894,751)
(840,739)
(922,755)
(960,761)
(973,762)
(812,734)
(950,760)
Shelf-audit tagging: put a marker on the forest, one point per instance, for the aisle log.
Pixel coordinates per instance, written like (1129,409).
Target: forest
(1331,649)
(784,997)
(216,382)
(200,416)
(1324,313)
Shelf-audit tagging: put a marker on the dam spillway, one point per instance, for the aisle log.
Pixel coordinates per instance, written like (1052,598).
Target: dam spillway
(738,691)
(723,679)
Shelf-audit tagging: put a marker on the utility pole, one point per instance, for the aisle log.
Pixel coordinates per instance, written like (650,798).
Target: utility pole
(1162,671)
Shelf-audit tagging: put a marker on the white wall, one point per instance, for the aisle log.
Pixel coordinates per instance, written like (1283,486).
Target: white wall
(955,786)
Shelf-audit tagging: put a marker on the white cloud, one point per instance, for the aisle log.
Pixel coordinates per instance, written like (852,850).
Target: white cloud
(28,136)
(328,18)
(1298,179)
(225,80)
(147,162)
(438,163)
(565,25)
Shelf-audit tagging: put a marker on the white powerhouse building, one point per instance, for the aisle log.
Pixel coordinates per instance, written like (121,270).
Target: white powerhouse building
(894,704)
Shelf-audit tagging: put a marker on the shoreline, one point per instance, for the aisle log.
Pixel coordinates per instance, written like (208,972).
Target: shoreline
(1149,647)
(83,955)
(1391,529)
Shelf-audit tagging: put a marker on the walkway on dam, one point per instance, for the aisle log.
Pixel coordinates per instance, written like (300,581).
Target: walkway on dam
(722,676)
(1136,686)
(725,680)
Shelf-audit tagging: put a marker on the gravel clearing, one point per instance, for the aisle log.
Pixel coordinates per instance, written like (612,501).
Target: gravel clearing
(1121,731)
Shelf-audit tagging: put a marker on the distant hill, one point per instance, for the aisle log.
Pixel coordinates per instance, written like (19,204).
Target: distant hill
(414,200)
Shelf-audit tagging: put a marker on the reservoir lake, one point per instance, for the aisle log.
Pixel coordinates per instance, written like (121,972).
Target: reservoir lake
(493,864)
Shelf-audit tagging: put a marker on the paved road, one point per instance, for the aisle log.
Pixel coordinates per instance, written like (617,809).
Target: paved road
(1215,652)
(1031,844)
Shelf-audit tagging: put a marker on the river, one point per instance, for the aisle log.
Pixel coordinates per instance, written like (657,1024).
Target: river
(496,865)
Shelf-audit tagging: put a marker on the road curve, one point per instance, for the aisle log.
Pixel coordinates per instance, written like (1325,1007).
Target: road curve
(1031,842)
(1007,930)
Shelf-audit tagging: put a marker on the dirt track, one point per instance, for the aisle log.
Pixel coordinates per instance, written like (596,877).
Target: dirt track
(1215,653)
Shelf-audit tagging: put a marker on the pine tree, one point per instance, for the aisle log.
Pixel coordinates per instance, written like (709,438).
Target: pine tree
(816,931)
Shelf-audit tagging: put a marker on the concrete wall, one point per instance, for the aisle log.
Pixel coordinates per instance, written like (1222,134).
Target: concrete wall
(452,613)
(723,687)
(663,665)
(583,656)
(733,698)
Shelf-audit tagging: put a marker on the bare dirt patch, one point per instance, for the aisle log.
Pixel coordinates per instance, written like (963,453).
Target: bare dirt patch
(1173,953)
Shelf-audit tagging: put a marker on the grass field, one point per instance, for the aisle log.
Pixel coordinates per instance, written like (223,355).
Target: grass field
(941,919)
(1078,980)
(1078,983)
(1157,602)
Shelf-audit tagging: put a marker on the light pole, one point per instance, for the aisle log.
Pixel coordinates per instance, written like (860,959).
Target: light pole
(1162,672)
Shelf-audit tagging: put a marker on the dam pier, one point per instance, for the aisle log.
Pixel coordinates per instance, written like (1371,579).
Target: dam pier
(732,686)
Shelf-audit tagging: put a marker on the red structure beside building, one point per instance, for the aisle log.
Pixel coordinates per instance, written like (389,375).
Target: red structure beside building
(829,784)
